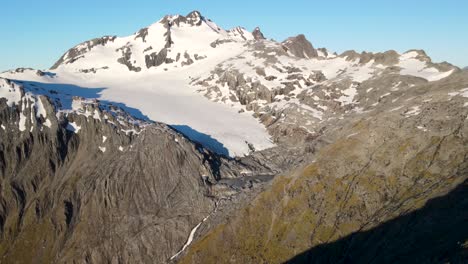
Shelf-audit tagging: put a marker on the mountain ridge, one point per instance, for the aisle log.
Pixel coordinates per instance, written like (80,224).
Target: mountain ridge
(185,142)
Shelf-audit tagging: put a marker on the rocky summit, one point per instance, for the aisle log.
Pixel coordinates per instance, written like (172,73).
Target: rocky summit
(189,143)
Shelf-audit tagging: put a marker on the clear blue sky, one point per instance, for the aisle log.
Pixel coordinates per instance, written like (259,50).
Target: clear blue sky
(36,33)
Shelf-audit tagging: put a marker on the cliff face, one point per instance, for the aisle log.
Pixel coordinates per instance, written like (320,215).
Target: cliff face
(386,178)
(94,187)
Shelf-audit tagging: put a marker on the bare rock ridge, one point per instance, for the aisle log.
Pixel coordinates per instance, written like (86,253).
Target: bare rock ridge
(300,47)
(76,185)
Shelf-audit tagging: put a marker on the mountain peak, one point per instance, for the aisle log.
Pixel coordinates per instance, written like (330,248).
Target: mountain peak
(257,33)
(194,15)
(300,47)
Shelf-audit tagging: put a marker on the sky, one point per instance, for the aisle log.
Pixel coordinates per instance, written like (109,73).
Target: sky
(36,33)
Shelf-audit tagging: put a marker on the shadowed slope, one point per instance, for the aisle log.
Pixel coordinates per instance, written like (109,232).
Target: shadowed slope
(437,233)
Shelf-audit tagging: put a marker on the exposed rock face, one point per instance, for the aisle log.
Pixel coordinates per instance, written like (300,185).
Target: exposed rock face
(91,186)
(257,33)
(386,172)
(155,59)
(300,47)
(126,59)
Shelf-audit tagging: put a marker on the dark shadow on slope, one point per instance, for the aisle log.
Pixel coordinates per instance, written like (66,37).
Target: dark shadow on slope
(62,91)
(204,139)
(436,233)
(66,92)
(136,113)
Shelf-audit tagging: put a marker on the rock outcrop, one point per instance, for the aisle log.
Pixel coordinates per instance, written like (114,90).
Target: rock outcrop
(257,34)
(300,47)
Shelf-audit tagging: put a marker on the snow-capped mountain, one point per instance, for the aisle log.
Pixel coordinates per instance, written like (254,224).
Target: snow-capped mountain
(112,155)
(163,71)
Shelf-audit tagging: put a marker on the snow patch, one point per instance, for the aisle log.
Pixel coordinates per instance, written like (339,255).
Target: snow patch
(414,111)
(73,127)
(348,95)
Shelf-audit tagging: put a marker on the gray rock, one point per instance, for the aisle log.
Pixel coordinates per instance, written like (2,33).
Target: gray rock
(101,193)
(126,59)
(258,35)
(300,47)
(156,59)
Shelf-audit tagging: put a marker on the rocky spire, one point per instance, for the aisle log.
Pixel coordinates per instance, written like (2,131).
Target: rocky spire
(258,35)
(300,47)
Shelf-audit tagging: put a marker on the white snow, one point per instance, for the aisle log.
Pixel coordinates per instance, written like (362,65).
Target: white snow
(22,122)
(104,138)
(348,95)
(190,238)
(3,127)
(410,65)
(121,148)
(40,110)
(102,149)
(47,123)
(462,93)
(415,110)
(73,127)
(165,94)
(422,128)
(12,94)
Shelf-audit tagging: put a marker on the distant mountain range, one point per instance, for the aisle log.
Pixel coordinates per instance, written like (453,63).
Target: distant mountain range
(186,142)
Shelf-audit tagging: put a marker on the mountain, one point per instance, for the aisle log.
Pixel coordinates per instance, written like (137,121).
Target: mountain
(300,47)
(388,183)
(186,142)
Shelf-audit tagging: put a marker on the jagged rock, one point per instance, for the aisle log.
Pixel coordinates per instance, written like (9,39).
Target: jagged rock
(155,59)
(220,42)
(257,34)
(300,47)
(142,33)
(188,60)
(126,59)
(238,31)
